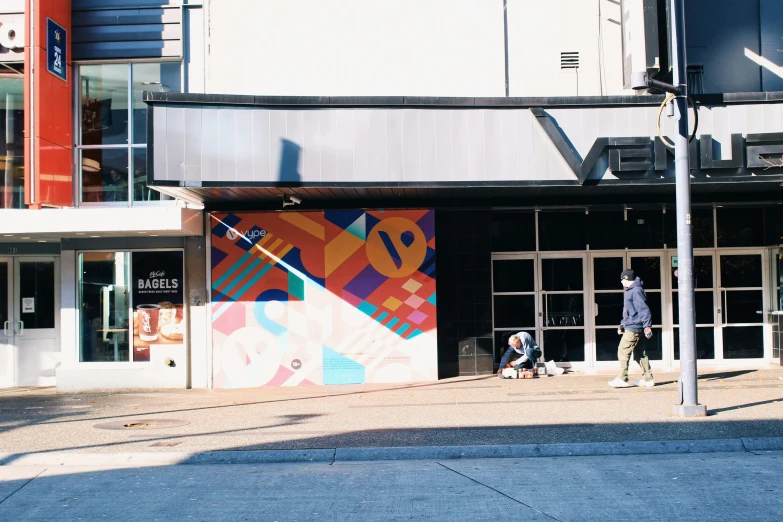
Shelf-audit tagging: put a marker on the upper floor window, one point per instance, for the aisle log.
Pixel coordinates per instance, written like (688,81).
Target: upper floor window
(112,129)
(11,141)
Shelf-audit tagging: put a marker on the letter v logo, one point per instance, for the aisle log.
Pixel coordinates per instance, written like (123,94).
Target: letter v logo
(581,168)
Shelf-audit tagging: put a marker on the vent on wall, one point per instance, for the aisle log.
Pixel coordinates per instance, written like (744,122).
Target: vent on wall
(569,60)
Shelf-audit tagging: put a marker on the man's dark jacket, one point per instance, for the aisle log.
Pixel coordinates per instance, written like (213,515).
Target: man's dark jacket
(636,313)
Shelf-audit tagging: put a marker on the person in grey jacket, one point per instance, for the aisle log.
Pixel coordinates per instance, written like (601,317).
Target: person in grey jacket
(522,352)
(637,319)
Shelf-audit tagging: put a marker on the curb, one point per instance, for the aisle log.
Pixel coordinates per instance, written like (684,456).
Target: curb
(586,449)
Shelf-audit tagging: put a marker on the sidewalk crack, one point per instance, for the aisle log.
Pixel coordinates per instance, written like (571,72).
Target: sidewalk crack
(498,491)
(742,441)
(22,486)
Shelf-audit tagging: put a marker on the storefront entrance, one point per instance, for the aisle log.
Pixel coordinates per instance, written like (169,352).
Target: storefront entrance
(544,295)
(730,296)
(573,302)
(608,296)
(29,339)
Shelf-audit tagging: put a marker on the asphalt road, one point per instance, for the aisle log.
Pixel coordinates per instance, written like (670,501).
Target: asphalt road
(716,486)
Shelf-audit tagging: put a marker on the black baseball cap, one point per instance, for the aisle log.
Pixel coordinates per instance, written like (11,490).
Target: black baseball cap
(627,274)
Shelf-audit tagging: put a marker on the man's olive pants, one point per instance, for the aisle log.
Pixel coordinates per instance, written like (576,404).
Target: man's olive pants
(629,344)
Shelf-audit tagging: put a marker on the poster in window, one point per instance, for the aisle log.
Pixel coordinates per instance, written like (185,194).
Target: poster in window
(158,301)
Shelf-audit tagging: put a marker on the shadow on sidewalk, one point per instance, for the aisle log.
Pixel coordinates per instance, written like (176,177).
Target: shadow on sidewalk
(743,406)
(619,432)
(52,419)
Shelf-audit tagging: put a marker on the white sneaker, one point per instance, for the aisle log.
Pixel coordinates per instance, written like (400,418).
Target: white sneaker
(644,384)
(619,383)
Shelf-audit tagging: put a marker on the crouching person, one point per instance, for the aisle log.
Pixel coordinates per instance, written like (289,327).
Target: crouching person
(523,351)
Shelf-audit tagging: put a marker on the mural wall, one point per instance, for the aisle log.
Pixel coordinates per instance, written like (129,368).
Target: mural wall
(335,297)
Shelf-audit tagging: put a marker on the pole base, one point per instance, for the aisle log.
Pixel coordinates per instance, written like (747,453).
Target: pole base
(694,410)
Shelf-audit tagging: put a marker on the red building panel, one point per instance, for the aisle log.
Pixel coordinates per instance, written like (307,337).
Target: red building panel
(48,111)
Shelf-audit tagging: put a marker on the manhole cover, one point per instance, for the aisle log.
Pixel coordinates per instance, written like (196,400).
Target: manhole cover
(141,424)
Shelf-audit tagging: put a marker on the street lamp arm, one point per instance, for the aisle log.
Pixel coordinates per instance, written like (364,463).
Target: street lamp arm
(664,87)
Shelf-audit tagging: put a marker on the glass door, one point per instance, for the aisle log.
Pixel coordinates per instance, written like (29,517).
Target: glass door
(7,346)
(514,303)
(562,307)
(607,304)
(648,267)
(35,322)
(608,295)
(741,316)
(704,287)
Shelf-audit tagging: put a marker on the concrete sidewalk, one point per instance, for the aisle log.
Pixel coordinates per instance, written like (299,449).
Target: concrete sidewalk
(477,412)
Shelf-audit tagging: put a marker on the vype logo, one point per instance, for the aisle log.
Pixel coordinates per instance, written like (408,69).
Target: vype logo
(250,235)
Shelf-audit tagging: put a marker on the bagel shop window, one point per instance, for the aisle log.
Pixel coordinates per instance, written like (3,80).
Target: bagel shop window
(112,130)
(131,306)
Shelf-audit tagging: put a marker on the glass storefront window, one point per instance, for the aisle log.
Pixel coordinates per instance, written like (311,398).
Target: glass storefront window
(562,230)
(162,77)
(104,306)
(104,104)
(779,283)
(702,229)
(513,231)
(644,229)
(141,192)
(104,175)
(113,129)
(606,230)
(12,146)
(740,227)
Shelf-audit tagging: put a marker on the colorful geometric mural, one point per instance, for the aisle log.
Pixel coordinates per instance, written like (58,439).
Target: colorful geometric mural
(335,297)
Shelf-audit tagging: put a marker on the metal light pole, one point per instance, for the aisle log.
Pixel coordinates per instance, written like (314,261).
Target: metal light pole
(689,406)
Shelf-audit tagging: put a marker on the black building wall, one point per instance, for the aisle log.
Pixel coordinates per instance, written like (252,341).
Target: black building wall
(464,292)
(465,240)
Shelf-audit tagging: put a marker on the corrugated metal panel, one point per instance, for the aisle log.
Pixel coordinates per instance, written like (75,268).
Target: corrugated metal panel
(390,146)
(119,29)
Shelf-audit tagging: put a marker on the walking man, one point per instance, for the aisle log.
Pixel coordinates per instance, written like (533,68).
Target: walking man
(636,319)
(523,348)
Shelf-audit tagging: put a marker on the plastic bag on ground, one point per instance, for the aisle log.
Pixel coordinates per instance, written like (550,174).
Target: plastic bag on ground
(552,369)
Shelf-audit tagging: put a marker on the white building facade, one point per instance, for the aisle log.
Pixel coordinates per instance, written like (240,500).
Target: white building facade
(260,190)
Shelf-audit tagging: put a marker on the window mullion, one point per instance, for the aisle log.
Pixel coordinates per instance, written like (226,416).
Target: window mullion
(130,134)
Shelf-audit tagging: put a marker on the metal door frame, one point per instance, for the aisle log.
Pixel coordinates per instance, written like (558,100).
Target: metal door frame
(721,323)
(602,254)
(8,339)
(697,252)
(587,328)
(717,300)
(36,333)
(664,325)
(536,293)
